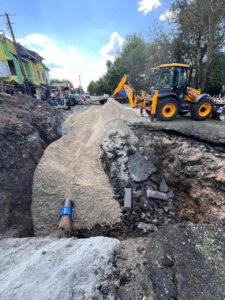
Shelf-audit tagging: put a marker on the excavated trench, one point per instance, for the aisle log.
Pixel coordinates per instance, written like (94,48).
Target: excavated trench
(194,171)
(189,176)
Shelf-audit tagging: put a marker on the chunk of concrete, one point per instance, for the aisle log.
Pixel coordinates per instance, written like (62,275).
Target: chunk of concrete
(51,268)
(127,197)
(156,195)
(170,194)
(163,186)
(140,168)
(147,227)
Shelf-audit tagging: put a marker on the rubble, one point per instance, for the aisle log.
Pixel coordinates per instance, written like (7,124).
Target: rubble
(140,169)
(193,177)
(127,197)
(163,186)
(156,195)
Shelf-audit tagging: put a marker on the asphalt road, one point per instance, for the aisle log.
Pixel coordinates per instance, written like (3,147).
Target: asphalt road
(211,131)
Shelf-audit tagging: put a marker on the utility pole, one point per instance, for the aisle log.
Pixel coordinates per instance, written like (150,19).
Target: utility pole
(26,83)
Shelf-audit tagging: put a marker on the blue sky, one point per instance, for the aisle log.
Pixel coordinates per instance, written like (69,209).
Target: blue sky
(77,37)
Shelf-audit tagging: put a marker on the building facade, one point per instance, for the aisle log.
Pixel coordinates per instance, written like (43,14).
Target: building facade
(11,75)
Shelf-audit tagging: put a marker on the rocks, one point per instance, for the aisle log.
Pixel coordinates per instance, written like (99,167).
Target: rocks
(26,129)
(192,168)
(140,169)
(127,197)
(147,227)
(49,268)
(170,194)
(125,167)
(163,186)
(156,195)
(115,151)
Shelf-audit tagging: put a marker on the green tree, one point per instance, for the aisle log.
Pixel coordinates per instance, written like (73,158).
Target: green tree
(217,76)
(200,34)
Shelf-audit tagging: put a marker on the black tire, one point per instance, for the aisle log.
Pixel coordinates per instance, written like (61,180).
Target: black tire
(167,109)
(202,110)
(102,101)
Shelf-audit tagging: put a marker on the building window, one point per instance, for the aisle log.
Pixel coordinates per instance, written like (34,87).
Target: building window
(4,70)
(39,76)
(12,67)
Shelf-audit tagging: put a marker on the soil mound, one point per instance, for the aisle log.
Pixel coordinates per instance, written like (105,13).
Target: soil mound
(71,167)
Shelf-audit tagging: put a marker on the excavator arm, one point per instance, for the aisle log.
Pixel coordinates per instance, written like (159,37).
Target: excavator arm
(125,85)
(120,86)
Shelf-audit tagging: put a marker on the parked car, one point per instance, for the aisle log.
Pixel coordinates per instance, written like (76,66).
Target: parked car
(74,99)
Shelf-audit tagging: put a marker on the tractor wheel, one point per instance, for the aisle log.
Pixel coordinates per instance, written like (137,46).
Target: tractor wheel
(202,110)
(167,109)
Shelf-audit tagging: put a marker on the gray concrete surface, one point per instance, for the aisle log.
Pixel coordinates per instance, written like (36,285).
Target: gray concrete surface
(49,268)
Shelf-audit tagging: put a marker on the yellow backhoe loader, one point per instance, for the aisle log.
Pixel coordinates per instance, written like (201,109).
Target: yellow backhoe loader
(170,95)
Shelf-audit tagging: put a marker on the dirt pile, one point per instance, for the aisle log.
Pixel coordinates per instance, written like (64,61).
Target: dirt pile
(26,128)
(71,167)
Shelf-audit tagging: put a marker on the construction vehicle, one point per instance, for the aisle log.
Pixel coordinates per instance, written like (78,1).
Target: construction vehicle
(125,85)
(169,95)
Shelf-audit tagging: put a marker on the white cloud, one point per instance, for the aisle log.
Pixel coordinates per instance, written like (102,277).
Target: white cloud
(69,62)
(113,48)
(146,6)
(167,16)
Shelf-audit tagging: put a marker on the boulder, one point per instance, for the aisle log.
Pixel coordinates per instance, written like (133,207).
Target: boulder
(147,227)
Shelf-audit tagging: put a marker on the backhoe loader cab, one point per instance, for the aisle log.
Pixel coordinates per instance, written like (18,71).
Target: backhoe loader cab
(171,95)
(167,78)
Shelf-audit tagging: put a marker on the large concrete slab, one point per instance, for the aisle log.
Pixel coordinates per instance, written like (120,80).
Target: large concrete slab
(48,268)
